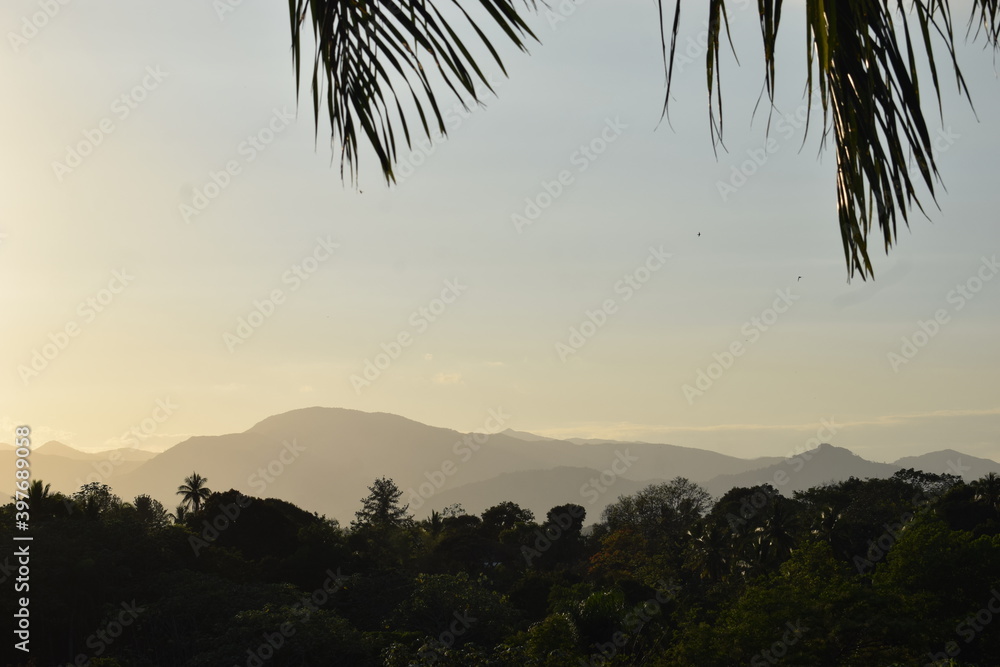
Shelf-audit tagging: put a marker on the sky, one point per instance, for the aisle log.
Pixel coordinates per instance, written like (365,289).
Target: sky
(179,255)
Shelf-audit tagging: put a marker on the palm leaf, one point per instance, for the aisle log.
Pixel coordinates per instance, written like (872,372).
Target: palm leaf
(375,57)
(866,73)
(374,62)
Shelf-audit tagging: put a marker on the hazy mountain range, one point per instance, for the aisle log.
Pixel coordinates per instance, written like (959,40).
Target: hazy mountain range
(323,459)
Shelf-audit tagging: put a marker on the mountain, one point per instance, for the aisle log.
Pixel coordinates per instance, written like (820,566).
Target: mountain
(540,490)
(56,448)
(828,463)
(324,459)
(950,461)
(824,464)
(66,469)
(594,441)
(524,435)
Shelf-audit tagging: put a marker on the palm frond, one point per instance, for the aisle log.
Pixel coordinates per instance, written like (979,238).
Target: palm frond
(373,57)
(380,64)
(865,69)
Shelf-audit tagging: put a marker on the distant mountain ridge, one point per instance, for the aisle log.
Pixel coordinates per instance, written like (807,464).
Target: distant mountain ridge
(950,461)
(524,435)
(804,470)
(323,459)
(56,448)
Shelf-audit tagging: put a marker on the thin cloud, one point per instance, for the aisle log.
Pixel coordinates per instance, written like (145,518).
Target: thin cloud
(629,430)
(448,378)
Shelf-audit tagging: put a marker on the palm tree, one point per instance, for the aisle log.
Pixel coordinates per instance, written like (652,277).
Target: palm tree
(712,547)
(825,524)
(987,490)
(776,539)
(38,494)
(433,525)
(372,57)
(194,491)
(42,502)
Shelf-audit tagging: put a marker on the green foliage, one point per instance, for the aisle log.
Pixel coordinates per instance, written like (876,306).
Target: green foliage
(552,642)
(288,636)
(286,587)
(943,577)
(815,612)
(455,609)
(505,516)
(667,509)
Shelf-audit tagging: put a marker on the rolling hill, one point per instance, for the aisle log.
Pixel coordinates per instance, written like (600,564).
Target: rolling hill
(324,459)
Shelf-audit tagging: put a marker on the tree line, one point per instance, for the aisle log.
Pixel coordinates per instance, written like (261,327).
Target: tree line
(897,571)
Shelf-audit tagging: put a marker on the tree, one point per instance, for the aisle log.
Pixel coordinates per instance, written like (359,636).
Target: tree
(815,611)
(433,525)
(455,609)
(460,546)
(95,499)
(42,502)
(987,490)
(38,493)
(151,512)
(776,538)
(560,537)
(663,510)
(854,514)
(453,510)
(381,508)
(552,641)
(373,56)
(711,549)
(193,491)
(944,576)
(505,516)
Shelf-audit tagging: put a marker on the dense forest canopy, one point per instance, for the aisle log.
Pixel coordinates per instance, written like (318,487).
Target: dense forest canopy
(897,571)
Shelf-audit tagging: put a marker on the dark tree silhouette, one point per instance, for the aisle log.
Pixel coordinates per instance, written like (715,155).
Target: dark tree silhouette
(44,504)
(504,516)
(150,511)
(381,508)
(987,491)
(193,491)
(95,499)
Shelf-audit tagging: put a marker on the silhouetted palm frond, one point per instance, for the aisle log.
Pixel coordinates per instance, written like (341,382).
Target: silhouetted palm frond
(375,60)
(862,58)
(379,64)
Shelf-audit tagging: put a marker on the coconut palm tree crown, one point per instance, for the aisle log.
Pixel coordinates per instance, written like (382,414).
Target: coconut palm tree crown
(194,491)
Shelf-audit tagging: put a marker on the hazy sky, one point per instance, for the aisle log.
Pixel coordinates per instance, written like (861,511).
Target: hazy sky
(129,305)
